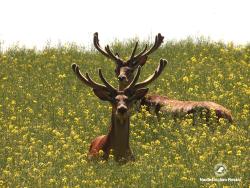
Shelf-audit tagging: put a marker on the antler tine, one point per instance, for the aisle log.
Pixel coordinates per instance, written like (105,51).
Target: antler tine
(155,75)
(73,66)
(78,74)
(158,41)
(106,53)
(134,50)
(87,80)
(135,79)
(109,86)
(142,52)
(93,83)
(111,55)
(97,45)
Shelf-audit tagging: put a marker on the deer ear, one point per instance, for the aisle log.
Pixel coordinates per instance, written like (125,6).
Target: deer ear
(139,94)
(142,60)
(103,95)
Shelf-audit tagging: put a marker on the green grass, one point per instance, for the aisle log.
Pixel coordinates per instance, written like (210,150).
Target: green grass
(48,118)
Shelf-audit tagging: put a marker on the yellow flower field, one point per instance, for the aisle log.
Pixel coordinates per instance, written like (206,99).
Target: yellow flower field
(48,118)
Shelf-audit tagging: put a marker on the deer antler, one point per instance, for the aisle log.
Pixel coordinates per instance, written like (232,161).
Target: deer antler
(134,86)
(106,51)
(135,79)
(158,41)
(110,87)
(89,81)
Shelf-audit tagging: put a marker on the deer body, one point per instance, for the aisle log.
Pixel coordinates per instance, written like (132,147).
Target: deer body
(117,139)
(121,100)
(181,108)
(96,145)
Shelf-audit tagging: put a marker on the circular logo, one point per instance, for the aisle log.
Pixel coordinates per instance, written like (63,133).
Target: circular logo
(220,169)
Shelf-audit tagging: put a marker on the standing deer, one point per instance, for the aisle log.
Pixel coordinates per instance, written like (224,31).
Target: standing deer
(118,137)
(125,71)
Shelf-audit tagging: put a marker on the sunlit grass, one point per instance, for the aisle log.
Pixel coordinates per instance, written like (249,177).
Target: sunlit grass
(48,118)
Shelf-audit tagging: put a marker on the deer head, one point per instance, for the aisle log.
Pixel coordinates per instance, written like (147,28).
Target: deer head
(125,69)
(121,100)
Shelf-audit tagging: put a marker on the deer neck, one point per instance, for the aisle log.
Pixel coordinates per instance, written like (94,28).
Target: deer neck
(122,86)
(119,135)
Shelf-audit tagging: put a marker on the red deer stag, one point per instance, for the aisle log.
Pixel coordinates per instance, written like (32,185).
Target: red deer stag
(125,71)
(118,137)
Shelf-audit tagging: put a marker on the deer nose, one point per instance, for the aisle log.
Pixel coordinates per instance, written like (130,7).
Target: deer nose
(121,77)
(122,109)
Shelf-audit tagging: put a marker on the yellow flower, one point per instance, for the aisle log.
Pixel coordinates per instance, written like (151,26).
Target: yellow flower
(155,131)
(52,181)
(190,90)
(30,110)
(193,59)
(13,118)
(13,102)
(101,152)
(157,142)
(185,79)
(62,76)
(76,120)
(202,157)
(238,153)
(146,154)
(184,178)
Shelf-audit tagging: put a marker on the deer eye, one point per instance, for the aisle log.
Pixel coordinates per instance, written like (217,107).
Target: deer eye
(128,72)
(126,99)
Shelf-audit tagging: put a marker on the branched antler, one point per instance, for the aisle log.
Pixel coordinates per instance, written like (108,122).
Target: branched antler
(89,81)
(158,41)
(134,85)
(106,51)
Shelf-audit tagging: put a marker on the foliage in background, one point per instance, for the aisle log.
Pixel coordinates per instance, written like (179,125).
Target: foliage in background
(48,118)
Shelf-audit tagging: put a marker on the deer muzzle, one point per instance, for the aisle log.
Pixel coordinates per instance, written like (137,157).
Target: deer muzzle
(122,109)
(122,78)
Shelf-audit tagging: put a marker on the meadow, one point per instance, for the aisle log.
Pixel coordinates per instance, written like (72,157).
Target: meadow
(48,118)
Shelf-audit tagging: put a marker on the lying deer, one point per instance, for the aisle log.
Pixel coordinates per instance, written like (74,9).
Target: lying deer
(178,108)
(118,137)
(125,71)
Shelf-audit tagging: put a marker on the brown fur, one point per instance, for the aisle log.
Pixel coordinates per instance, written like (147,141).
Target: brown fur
(96,145)
(163,104)
(106,144)
(118,137)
